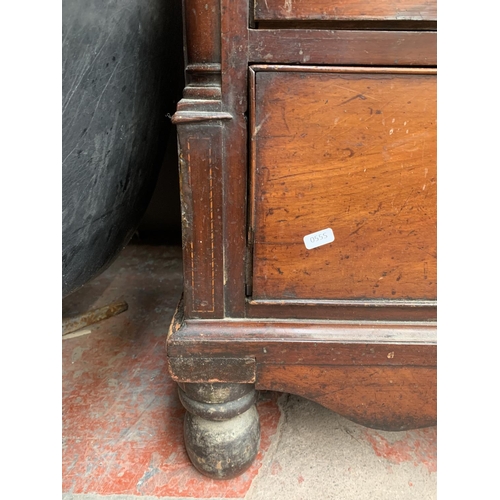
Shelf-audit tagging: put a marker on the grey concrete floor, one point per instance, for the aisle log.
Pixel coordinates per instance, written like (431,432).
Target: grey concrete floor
(314,453)
(321,455)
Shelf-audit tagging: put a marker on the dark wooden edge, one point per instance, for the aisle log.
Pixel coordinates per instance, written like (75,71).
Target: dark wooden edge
(384,25)
(338,311)
(234,64)
(252,154)
(196,369)
(306,342)
(342,69)
(382,375)
(275,21)
(387,12)
(272,330)
(353,302)
(352,47)
(200,120)
(198,116)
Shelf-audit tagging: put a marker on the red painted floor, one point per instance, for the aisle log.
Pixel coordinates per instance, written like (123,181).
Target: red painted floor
(417,446)
(122,420)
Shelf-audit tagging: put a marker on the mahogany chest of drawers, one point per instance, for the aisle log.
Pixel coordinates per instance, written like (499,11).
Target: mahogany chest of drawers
(307,156)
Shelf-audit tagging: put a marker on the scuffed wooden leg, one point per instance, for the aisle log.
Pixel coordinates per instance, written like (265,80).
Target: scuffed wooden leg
(221,427)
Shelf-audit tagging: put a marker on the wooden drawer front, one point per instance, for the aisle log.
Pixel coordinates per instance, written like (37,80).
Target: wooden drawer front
(353,150)
(345,10)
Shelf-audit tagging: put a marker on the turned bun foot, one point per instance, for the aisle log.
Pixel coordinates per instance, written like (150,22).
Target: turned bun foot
(221,427)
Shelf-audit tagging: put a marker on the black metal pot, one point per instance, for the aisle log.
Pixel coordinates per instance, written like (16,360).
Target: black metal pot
(122,74)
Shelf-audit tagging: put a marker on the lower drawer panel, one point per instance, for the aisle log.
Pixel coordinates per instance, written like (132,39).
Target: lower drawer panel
(354,151)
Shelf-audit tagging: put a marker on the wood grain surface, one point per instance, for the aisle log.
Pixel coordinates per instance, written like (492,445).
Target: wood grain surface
(302,342)
(328,46)
(351,150)
(421,10)
(390,398)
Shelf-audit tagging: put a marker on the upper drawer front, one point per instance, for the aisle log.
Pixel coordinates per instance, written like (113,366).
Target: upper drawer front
(345,10)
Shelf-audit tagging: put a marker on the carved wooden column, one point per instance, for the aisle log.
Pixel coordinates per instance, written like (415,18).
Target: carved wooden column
(221,427)
(199,119)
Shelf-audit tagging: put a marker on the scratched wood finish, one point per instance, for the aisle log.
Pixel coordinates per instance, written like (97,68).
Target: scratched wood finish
(370,356)
(389,398)
(354,152)
(201,208)
(202,30)
(195,369)
(380,375)
(323,46)
(234,32)
(371,25)
(303,342)
(200,119)
(330,10)
(342,310)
